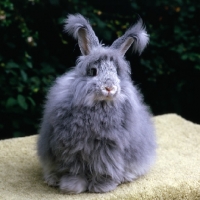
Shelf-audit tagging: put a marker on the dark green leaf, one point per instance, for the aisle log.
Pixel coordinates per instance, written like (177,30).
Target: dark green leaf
(22,102)
(31,100)
(29,64)
(24,75)
(11,65)
(10,102)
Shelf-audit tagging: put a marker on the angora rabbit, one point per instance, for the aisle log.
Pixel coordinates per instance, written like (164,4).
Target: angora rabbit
(96,132)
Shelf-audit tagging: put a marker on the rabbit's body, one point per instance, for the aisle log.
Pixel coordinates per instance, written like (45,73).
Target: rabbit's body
(96,132)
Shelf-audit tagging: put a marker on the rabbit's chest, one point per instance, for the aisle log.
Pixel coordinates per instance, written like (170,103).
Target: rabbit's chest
(93,132)
(96,120)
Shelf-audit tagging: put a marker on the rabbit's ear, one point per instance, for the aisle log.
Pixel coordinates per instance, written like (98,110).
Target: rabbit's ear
(80,28)
(136,35)
(83,41)
(125,45)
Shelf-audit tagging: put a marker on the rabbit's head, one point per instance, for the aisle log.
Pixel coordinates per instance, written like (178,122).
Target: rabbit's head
(100,70)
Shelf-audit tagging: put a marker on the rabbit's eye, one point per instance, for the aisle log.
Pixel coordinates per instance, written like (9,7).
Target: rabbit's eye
(92,72)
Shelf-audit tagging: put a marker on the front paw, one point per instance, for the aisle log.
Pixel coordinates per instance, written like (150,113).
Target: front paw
(51,180)
(73,184)
(102,186)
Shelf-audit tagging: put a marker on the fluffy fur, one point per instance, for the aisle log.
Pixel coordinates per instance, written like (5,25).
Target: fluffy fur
(96,132)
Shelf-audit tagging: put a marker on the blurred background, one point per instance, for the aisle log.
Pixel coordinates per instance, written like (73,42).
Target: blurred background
(34,50)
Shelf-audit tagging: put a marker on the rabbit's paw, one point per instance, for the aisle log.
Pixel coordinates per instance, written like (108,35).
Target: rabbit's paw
(102,186)
(73,184)
(51,180)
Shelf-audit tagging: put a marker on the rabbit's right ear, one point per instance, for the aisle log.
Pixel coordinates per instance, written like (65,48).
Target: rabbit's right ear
(80,28)
(135,35)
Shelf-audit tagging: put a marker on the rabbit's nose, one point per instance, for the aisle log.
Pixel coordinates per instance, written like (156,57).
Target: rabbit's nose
(109,88)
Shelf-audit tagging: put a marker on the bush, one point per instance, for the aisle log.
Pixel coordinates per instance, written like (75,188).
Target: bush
(35,50)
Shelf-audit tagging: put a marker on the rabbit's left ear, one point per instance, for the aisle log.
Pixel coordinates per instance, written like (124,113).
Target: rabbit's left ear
(135,35)
(125,45)
(80,28)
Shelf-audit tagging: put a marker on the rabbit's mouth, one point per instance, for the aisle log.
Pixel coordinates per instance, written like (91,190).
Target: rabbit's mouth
(108,93)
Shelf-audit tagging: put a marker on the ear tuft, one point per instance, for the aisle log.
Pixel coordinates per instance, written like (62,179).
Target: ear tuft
(141,37)
(73,23)
(77,26)
(138,33)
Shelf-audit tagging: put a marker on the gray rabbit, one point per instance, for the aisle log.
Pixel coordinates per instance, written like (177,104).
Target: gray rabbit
(96,132)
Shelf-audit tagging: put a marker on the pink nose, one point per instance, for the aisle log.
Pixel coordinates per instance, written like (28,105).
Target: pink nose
(109,88)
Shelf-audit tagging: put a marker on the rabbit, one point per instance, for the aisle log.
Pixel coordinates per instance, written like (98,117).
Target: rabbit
(96,131)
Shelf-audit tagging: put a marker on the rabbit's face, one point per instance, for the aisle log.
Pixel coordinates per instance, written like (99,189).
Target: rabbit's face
(102,78)
(102,75)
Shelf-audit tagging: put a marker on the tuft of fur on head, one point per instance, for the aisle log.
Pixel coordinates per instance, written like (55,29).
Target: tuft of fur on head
(138,33)
(74,22)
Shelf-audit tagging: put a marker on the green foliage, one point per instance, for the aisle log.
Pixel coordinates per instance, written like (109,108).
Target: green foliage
(35,50)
